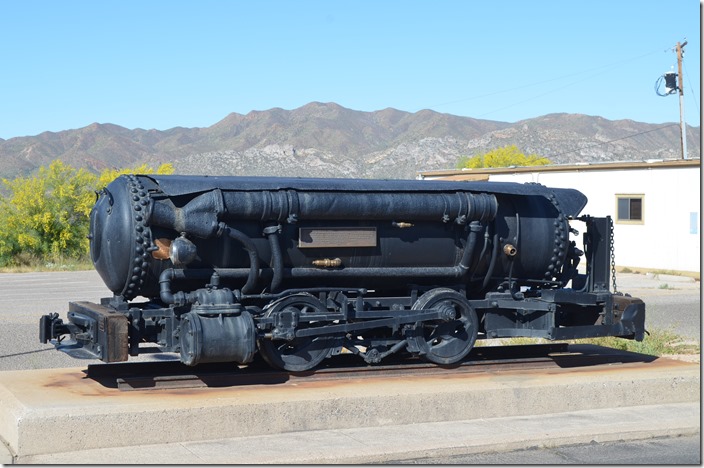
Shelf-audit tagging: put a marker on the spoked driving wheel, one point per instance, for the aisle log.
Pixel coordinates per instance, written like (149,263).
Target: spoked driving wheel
(447,340)
(302,353)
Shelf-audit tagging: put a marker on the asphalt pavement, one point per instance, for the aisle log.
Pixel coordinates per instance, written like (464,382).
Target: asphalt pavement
(671,302)
(680,450)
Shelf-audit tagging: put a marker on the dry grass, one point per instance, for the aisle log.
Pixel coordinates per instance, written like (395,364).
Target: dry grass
(28,265)
(656,343)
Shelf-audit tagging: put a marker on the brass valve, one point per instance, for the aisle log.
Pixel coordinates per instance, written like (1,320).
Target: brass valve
(162,251)
(510,250)
(327,263)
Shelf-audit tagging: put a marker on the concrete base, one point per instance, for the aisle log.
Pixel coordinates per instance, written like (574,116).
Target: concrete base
(392,444)
(44,413)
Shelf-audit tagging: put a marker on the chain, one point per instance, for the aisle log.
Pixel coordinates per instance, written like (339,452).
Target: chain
(613,255)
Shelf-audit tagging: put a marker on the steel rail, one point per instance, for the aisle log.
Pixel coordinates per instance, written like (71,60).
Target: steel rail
(168,375)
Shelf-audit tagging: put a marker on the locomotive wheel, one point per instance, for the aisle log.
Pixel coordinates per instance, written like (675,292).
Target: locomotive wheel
(298,354)
(446,341)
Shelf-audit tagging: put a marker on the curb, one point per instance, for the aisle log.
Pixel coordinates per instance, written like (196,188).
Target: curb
(397,443)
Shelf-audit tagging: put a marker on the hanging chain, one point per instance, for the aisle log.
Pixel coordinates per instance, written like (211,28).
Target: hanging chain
(613,255)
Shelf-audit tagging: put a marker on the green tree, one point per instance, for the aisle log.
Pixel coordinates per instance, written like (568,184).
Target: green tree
(109,175)
(46,216)
(506,156)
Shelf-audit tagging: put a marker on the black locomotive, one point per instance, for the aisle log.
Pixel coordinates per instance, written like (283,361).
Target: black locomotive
(218,268)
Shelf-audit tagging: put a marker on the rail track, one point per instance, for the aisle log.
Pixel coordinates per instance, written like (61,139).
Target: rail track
(165,375)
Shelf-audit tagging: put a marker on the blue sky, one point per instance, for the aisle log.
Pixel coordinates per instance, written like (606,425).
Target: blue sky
(167,63)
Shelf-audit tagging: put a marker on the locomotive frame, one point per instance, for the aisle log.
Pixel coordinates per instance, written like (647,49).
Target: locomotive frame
(220,268)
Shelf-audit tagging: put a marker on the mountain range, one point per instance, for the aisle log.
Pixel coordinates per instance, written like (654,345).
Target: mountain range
(328,140)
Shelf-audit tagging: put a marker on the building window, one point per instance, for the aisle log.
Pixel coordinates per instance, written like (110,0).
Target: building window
(629,209)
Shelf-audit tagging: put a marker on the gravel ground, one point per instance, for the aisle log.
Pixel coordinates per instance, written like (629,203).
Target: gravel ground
(671,302)
(25,297)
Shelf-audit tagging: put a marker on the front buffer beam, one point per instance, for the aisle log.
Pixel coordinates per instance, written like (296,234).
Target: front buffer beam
(97,332)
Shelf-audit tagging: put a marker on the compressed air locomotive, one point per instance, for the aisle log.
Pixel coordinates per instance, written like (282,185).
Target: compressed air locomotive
(220,268)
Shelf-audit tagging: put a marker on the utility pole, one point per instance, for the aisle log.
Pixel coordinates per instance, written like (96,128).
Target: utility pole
(680,85)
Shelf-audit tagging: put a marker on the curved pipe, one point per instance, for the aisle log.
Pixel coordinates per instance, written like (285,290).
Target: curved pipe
(165,278)
(168,275)
(251,249)
(468,254)
(277,261)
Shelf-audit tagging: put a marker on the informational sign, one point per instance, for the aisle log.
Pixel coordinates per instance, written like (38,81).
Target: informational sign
(693,222)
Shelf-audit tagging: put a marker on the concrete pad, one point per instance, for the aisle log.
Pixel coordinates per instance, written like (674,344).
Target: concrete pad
(45,412)
(413,441)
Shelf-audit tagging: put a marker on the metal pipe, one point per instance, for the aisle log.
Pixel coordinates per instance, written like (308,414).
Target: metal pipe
(303,272)
(484,247)
(377,272)
(277,261)
(460,207)
(251,249)
(492,263)
(468,254)
(169,275)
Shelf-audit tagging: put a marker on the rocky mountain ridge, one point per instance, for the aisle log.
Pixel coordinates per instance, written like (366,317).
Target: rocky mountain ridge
(328,140)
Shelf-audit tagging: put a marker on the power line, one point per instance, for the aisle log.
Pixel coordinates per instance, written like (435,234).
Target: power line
(553,90)
(616,139)
(608,67)
(691,89)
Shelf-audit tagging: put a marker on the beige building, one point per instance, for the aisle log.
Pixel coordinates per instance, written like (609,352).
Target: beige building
(656,205)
